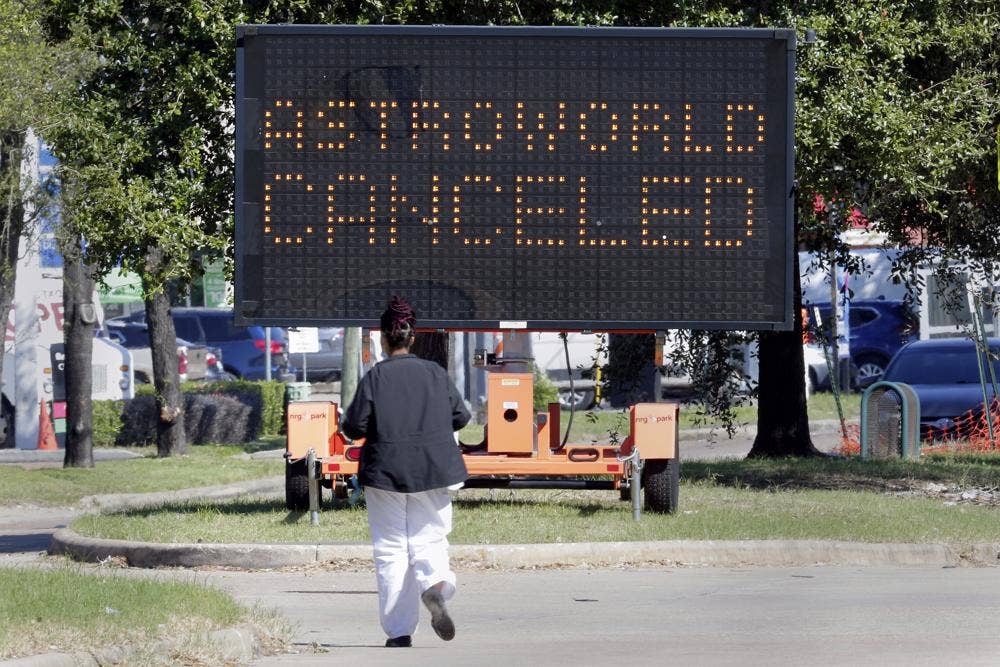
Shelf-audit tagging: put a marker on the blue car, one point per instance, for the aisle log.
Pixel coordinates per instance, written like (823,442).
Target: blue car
(878,329)
(242,347)
(945,375)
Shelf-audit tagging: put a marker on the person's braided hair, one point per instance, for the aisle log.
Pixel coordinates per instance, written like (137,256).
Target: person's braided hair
(398,323)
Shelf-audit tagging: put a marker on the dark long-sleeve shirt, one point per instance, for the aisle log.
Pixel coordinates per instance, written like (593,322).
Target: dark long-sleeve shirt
(407,409)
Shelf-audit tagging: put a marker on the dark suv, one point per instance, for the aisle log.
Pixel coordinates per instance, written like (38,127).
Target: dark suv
(242,347)
(878,328)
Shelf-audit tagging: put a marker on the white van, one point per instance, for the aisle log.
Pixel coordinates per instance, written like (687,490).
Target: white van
(584,350)
(34,361)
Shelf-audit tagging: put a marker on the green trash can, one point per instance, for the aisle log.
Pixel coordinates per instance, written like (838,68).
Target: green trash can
(298,391)
(890,421)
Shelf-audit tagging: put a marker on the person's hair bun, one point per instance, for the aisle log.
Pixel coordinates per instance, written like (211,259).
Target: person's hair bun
(398,321)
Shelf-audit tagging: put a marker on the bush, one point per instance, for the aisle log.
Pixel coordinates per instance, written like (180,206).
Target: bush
(266,400)
(139,418)
(208,418)
(107,422)
(545,392)
(216,418)
(220,412)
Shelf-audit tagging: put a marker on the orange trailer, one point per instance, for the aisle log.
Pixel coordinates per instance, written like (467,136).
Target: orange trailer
(520,449)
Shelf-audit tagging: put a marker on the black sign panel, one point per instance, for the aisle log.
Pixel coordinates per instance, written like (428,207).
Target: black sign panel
(541,178)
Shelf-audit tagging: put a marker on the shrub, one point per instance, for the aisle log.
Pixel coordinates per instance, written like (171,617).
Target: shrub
(208,418)
(139,418)
(216,418)
(544,392)
(266,400)
(107,422)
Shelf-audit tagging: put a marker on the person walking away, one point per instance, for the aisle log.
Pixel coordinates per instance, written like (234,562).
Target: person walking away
(407,409)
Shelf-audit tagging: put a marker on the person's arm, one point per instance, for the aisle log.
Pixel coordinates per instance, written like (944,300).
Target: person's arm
(459,415)
(355,423)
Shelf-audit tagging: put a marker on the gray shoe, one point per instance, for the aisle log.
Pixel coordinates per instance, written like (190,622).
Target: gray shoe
(440,620)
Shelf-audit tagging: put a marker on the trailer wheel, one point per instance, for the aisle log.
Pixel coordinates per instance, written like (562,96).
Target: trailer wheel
(661,481)
(341,488)
(297,486)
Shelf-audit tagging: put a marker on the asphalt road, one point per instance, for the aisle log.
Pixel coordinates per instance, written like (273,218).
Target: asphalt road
(696,616)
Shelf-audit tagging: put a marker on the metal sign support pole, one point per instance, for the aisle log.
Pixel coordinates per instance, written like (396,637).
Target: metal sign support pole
(267,353)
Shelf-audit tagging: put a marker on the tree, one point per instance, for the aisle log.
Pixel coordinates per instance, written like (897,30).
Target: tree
(896,106)
(896,110)
(80,319)
(149,148)
(34,74)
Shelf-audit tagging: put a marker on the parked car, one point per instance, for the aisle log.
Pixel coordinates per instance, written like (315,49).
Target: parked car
(242,347)
(878,329)
(945,376)
(326,364)
(195,362)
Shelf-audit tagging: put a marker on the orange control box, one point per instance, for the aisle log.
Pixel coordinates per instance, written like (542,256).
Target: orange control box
(654,429)
(312,425)
(510,413)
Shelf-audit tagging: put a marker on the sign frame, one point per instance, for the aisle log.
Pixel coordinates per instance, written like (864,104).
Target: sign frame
(246,281)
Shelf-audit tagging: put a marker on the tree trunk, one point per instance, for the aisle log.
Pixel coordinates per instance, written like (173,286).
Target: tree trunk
(80,318)
(11,226)
(632,376)
(433,346)
(170,436)
(782,417)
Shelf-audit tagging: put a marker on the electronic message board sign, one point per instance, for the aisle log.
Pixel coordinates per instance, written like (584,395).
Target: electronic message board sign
(609,179)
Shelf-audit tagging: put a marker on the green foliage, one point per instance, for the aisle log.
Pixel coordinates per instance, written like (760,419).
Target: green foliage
(896,110)
(544,392)
(148,141)
(107,422)
(35,71)
(270,396)
(266,401)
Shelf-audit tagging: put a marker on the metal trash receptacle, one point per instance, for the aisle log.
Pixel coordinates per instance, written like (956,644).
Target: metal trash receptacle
(890,421)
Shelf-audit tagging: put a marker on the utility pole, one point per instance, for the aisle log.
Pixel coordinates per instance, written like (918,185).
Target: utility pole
(352,358)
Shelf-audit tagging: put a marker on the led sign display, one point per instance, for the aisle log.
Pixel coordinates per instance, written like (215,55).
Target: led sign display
(543,178)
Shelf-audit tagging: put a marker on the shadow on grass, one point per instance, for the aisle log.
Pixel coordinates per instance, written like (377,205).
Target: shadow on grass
(275,505)
(264,443)
(585,508)
(233,508)
(843,473)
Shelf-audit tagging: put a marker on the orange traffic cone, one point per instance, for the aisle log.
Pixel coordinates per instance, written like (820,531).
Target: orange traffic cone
(46,433)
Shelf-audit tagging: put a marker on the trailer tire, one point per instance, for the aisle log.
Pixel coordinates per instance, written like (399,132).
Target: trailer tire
(661,481)
(296,486)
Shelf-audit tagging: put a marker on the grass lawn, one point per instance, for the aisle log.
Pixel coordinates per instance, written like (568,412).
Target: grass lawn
(822,499)
(68,610)
(204,465)
(598,425)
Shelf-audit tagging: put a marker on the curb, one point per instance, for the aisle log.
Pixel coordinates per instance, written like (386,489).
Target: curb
(765,553)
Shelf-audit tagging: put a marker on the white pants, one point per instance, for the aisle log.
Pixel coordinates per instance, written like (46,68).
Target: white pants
(410,538)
